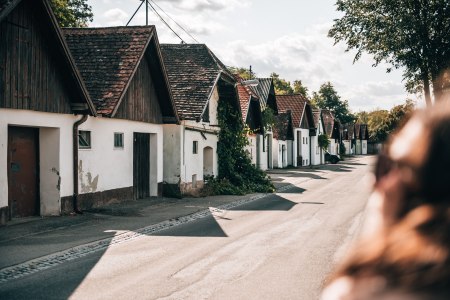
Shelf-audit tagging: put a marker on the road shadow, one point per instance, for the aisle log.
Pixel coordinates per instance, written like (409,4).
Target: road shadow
(292,190)
(204,227)
(270,203)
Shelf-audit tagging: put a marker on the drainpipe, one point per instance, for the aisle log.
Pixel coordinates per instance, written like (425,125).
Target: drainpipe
(75,162)
(310,154)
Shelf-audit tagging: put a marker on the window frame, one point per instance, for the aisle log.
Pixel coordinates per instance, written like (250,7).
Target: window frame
(88,140)
(122,135)
(194,147)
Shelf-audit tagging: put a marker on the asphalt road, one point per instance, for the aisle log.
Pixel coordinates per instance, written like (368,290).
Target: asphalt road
(282,246)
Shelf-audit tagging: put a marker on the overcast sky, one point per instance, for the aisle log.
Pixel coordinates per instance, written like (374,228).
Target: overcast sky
(284,36)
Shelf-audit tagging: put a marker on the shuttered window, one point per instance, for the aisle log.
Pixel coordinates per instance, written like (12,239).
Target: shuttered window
(118,140)
(84,139)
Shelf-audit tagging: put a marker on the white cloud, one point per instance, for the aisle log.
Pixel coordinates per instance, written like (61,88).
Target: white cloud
(210,5)
(115,17)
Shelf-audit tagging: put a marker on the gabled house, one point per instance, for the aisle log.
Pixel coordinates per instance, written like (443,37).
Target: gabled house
(121,151)
(299,150)
(361,137)
(317,155)
(332,130)
(199,81)
(252,118)
(283,135)
(41,92)
(348,138)
(265,90)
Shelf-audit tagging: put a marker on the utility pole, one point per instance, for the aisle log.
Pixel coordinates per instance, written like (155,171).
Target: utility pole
(146,12)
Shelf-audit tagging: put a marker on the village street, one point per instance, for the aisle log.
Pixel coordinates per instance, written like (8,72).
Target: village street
(281,246)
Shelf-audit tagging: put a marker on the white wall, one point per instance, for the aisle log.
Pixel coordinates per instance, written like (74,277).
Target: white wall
(173,152)
(252,148)
(358,147)
(318,155)
(304,147)
(54,158)
(277,152)
(104,167)
(364,147)
(348,149)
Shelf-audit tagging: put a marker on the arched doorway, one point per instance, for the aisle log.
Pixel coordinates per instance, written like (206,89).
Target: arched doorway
(208,154)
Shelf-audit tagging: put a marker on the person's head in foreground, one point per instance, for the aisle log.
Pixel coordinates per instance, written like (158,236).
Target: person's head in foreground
(408,255)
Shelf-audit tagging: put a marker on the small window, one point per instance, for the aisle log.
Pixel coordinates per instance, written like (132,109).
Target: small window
(195,147)
(306,141)
(118,140)
(84,139)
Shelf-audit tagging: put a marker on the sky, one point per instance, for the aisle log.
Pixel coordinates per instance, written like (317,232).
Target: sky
(288,37)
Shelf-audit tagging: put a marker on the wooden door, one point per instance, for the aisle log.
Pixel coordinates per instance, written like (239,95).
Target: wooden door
(141,165)
(23,171)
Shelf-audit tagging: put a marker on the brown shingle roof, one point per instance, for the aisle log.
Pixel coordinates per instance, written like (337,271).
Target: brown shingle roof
(295,103)
(107,58)
(283,126)
(193,71)
(316,116)
(328,121)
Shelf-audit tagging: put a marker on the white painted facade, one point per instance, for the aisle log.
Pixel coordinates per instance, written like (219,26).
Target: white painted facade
(358,147)
(104,167)
(258,150)
(301,147)
(348,145)
(333,148)
(101,168)
(318,155)
(279,153)
(190,151)
(364,147)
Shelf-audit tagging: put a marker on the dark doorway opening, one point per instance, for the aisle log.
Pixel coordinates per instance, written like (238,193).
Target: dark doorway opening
(141,165)
(23,171)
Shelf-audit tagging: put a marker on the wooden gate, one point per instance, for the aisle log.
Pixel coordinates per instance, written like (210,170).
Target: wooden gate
(141,165)
(23,171)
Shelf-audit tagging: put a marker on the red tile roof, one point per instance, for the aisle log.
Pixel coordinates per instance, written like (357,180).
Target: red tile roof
(328,121)
(245,94)
(294,103)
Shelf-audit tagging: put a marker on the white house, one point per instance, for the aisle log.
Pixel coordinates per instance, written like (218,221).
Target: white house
(198,81)
(348,138)
(265,90)
(299,150)
(317,154)
(332,130)
(252,118)
(121,151)
(40,93)
(361,136)
(283,135)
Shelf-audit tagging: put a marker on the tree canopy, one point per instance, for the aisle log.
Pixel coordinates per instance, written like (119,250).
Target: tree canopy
(381,123)
(328,98)
(413,34)
(282,86)
(72,13)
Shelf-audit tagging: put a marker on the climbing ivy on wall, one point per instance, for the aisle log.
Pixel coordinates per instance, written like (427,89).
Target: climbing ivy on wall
(237,174)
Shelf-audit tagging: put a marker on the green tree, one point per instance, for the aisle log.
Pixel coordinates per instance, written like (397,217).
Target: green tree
(72,13)
(328,98)
(362,117)
(242,72)
(282,87)
(299,88)
(413,34)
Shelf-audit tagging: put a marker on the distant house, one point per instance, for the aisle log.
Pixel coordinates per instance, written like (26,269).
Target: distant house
(41,92)
(199,81)
(348,138)
(299,150)
(332,130)
(283,135)
(265,90)
(361,136)
(317,155)
(252,118)
(121,151)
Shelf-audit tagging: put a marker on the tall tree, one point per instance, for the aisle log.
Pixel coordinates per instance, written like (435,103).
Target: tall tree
(328,98)
(282,87)
(413,34)
(72,13)
(299,88)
